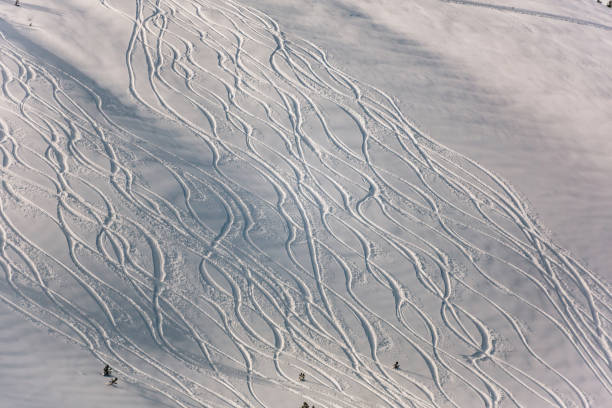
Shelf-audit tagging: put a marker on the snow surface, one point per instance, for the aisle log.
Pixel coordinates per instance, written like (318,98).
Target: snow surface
(208,196)
(522,87)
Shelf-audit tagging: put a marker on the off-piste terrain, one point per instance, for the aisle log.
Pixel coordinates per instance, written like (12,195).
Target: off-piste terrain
(223,209)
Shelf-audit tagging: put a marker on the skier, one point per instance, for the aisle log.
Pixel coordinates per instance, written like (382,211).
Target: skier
(305,405)
(396,365)
(302,377)
(17,3)
(107,370)
(113,381)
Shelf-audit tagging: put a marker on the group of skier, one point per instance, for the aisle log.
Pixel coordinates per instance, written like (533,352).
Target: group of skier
(302,377)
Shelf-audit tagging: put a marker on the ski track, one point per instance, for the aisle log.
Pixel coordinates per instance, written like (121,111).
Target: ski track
(228,289)
(533,13)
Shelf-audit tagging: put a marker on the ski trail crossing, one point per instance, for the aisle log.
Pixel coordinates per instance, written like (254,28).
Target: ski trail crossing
(285,218)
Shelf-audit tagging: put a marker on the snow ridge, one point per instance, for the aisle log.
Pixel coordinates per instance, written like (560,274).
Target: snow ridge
(279,217)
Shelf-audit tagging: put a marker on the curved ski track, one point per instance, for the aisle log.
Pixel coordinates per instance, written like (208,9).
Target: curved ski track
(306,226)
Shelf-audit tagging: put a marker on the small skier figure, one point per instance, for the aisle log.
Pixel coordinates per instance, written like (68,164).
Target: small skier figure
(305,405)
(396,365)
(107,370)
(302,377)
(113,381)
(17,3)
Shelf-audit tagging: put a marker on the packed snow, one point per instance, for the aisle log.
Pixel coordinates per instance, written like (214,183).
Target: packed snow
(276,203)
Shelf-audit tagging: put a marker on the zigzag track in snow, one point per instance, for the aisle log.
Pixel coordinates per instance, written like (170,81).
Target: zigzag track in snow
(304,226)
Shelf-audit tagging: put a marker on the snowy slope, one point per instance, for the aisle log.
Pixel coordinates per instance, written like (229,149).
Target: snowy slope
(208,203)
(523,87)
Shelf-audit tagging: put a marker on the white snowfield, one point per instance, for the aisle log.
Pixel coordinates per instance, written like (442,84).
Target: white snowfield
(210,206)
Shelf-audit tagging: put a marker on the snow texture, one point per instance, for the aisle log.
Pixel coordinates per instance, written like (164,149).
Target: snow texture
(210,197)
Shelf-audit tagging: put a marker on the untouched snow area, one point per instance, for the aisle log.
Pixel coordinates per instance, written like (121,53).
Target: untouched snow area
(213,197)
